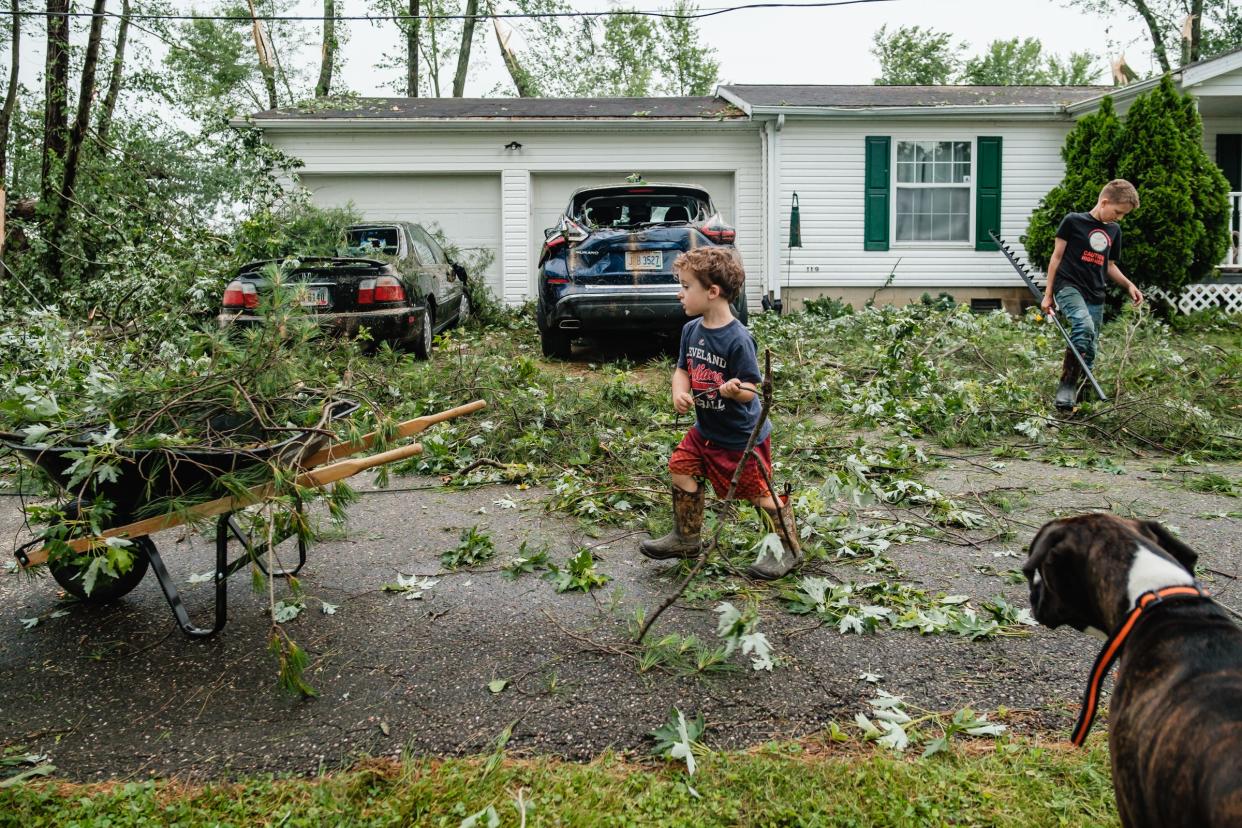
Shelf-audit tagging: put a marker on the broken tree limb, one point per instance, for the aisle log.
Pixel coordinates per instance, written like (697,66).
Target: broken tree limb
(406,429)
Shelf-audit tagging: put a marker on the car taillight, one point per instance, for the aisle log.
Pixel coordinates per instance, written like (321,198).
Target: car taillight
(554,241)
(575,232)
(240,294)
(366,292)
(388,289)
(719,232)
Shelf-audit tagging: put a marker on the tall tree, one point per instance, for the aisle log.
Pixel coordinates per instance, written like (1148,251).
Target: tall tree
(914,56)
(55,96)
(411,51)
(1007,63)
(108,108)
(63,206)
(463,53)
(1079,69)
(327,53)
(264,52)
(6,114)
(1167,20)
(688,66)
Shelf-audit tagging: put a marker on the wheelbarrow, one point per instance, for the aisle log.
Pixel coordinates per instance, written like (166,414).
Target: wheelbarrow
(186,471)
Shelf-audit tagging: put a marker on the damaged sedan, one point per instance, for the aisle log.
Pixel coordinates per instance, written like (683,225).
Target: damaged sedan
(392,278)
(607,266)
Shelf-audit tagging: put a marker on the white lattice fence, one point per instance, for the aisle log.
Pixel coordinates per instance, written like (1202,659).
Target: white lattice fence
(1197,297)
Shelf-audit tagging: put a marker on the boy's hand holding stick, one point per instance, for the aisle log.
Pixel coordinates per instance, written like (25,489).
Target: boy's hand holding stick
(737,475)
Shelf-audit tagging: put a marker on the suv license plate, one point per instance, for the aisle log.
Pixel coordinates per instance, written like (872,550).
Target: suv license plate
(645,260)
(315,297)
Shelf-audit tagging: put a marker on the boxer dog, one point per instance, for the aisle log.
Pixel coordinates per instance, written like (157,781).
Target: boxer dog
(1175,720)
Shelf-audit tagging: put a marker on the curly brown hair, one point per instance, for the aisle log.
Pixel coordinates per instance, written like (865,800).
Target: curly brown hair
(720,266)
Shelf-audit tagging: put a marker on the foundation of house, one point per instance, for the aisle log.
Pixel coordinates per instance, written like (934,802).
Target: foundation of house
(1014,300)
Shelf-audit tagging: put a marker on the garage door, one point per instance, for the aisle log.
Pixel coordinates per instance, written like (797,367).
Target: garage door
(550,194)
(465,207)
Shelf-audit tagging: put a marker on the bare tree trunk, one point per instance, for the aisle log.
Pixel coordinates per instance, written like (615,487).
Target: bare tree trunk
(433,60)
(327,55)
(411,51)
(108,107)
(463,54)
(521,80)
(6,114)
(63,205)
(1153,28)
(10,99)
(263,49)
(55,94)
(1196,28)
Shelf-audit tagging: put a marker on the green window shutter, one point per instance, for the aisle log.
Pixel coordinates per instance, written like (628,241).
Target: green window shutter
(987,192)
(875,212)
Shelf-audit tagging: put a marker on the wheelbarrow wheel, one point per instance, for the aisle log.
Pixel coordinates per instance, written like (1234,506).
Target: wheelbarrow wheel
(106,588)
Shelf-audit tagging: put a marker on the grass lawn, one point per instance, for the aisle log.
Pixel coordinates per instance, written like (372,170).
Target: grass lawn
(1014,783)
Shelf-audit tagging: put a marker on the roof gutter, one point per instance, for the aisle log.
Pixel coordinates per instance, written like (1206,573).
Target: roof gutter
(274,124)
(988,111)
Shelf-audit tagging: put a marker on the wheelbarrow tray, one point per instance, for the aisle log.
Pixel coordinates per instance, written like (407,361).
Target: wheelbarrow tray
(152,475)
(227,527)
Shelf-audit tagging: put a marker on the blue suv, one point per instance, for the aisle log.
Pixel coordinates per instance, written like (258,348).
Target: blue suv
(607,266)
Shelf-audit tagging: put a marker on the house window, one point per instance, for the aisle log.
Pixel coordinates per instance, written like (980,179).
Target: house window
(932,191)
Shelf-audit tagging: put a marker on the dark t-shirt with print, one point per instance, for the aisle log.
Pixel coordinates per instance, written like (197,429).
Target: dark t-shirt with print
(1089,245)
(712,356)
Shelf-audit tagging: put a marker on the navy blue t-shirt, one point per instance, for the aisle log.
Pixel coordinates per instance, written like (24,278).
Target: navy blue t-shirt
(1089,246)
(712,356)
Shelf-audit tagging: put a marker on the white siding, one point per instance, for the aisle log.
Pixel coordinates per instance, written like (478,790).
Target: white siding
(1213,126)
(1230,84)
(823,161)
(515,234)
(713,149)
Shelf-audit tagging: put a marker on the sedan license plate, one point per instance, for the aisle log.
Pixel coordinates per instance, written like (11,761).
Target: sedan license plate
(315,296)
(644,260)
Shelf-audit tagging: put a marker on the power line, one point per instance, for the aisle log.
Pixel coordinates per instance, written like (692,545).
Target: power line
(695,15)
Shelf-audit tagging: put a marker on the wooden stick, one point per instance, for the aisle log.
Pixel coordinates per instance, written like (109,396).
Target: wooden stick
(230,503)
(407,429)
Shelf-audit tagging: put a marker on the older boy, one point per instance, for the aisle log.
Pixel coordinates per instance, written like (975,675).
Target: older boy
(716,375)
(1086,250)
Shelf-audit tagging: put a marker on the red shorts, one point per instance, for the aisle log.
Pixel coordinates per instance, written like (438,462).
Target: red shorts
(698,457)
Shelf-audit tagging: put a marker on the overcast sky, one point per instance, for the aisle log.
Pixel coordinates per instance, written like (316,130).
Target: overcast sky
(819,46)
(827,45)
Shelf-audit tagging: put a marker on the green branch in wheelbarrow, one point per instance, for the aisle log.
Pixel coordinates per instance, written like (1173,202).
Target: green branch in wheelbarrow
(317,478)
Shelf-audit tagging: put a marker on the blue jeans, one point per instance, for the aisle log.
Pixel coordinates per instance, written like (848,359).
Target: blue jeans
(1085,320)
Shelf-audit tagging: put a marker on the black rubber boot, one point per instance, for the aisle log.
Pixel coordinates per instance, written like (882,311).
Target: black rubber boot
(769,566)
(684,540)
(1067,391)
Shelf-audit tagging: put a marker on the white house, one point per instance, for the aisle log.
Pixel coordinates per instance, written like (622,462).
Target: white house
(891,181)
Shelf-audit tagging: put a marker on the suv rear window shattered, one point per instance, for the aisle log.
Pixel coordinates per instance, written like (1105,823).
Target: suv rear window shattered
(635,210)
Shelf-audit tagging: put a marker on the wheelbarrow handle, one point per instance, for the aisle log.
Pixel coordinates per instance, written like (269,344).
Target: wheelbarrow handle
(228,503)
(406,429)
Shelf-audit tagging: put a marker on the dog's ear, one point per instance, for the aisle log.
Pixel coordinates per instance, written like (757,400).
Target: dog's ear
(1054,571)
(1185,556)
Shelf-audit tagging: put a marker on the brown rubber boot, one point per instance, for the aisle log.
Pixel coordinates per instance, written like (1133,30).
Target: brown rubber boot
(683,541)
(769,566)
(1067,391)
